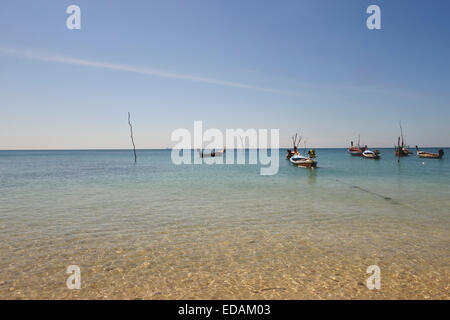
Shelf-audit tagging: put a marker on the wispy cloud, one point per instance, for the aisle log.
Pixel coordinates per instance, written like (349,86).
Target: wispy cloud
(57,58)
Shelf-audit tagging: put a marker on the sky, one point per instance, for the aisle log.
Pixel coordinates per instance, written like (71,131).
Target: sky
(311,67)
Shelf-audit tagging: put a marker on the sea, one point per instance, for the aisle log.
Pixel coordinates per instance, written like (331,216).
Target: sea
(157,230)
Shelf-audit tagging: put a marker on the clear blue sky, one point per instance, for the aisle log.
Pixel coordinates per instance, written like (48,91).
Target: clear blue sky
(307,66)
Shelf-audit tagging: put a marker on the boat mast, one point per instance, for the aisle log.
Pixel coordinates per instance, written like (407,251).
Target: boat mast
(401,133)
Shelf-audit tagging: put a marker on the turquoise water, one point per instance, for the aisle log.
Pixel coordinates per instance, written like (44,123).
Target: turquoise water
(158,230)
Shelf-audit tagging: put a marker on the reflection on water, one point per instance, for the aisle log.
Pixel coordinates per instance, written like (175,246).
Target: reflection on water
(312,176)
(157,231)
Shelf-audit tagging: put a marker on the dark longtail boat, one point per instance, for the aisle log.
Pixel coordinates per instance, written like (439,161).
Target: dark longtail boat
(401,150)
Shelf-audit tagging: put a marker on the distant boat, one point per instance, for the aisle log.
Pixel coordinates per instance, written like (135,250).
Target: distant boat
(371,154)
(355,151)
(304,162)
(297,159)
(401,150)
(430,155)
(211,154)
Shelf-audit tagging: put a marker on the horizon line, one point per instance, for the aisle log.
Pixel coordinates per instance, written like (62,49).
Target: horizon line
(194,149)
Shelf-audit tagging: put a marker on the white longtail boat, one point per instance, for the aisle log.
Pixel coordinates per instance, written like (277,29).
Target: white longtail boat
(297,159)
(303,162)
(369,154)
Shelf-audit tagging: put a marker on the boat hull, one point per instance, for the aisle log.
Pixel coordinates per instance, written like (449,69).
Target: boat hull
(356,152)
(429,155)
(371,155)
(303,162)
(402,152)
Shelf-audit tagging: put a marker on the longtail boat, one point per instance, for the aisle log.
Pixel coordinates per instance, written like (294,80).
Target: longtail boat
(369,154)
(430,155)
(401,150)
(303,162)
(297,159)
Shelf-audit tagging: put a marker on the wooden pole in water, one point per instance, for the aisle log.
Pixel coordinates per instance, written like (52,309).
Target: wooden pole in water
(132,139)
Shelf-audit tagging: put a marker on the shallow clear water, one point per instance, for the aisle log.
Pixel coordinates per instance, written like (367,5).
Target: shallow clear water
(155,230)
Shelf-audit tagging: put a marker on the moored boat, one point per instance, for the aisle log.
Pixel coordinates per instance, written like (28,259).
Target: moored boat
(355,150)
(369,154)
(401,150)
(211,154)
(297,159)
(430,155)
(304,162)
